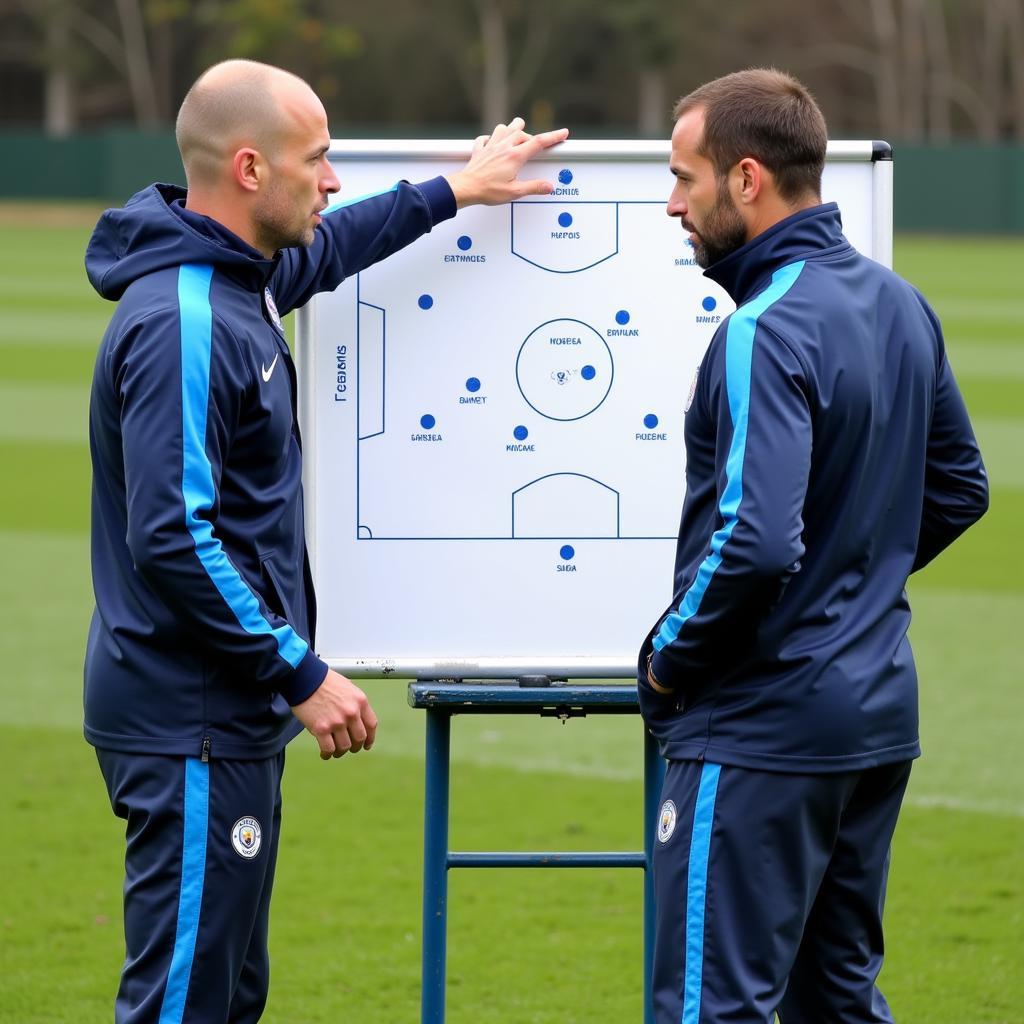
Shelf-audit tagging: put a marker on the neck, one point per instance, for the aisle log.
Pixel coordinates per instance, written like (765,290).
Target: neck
(231,215)
(774,209)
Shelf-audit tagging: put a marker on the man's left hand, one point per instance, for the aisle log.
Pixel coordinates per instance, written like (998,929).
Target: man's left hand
(490,175)
(655,685)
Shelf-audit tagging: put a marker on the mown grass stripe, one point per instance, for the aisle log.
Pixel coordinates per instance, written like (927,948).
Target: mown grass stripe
(46,485)
(54,363)
(44,412)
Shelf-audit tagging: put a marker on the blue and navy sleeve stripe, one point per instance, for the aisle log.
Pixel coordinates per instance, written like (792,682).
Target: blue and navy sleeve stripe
(340,204)
(739,352)
(197,484)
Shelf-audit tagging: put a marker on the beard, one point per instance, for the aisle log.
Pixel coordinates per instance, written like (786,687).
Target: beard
(723,233)
(279,226)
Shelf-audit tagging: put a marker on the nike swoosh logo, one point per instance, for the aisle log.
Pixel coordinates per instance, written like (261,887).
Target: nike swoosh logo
(267,373)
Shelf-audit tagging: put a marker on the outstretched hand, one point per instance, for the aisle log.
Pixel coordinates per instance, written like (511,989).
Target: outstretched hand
(490,176)
(339,716)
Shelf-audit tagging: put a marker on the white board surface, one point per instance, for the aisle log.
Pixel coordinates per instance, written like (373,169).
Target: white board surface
(493,417)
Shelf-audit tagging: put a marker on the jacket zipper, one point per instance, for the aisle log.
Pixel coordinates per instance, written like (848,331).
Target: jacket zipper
(206,750)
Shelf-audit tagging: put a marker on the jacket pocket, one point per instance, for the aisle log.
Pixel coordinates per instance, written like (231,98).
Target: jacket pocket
(275,593)
(655,707)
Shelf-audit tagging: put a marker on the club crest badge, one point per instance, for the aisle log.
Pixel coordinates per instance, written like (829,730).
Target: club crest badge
(268,300)
(693,391)
(666,821)
(246,837)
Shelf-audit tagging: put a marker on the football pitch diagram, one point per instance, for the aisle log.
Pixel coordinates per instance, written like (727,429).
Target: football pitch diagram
(521,381)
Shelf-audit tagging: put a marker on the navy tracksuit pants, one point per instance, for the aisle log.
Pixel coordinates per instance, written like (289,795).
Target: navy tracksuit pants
(769,891)
(199,869)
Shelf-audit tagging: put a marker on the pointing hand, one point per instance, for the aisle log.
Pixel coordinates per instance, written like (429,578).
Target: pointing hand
(490,175)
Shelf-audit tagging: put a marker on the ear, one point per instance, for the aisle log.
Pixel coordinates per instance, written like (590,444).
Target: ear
(248,169)
(749,179)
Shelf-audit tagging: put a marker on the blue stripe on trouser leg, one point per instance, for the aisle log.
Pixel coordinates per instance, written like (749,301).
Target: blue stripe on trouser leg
(677,816)
(696,891)
(228,977)
(190,899)
(783,911)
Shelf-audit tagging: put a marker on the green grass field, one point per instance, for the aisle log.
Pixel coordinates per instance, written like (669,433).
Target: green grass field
(524,947)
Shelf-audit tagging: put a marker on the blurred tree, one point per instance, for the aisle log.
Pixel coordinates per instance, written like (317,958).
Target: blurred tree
(303,36)
(904,69)
(651,35)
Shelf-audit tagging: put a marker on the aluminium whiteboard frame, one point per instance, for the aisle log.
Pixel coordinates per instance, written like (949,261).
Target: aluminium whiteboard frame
(878,154)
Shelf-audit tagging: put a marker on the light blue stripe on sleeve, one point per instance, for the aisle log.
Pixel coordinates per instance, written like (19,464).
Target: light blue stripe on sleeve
(342,203)
(697,890)
(739,352)
(190,898)
(197,473)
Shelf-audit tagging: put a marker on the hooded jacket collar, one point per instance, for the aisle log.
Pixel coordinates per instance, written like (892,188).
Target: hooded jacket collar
(154,231)
(746,271)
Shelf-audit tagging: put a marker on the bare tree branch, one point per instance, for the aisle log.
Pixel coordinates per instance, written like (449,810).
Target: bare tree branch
(103,39)
(59,109)
(136,52)
(915,81)
(1013,11)
(531,60)
(887,87)
(940,77)
(495,101)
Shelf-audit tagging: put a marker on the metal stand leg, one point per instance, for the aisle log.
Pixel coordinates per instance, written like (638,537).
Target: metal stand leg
(435,865)
(654,776)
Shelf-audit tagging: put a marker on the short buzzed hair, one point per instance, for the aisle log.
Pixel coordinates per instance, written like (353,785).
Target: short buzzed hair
(231,103)
(768,115)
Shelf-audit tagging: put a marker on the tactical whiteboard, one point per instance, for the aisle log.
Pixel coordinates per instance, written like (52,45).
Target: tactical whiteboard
(493,417)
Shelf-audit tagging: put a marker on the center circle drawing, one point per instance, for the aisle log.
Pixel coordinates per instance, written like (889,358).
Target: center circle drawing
(564,369)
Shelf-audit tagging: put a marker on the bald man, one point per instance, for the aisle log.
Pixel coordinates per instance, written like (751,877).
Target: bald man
(200,664)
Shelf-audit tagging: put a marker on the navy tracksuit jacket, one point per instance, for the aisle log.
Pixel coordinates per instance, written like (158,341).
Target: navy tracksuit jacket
(828,456)
(205,614)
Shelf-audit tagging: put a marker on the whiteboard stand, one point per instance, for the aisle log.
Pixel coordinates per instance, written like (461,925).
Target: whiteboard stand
(534,695)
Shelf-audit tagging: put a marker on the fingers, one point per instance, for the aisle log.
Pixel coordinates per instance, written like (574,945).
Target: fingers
(370,724)
(326,744)
(534,187)
(343,742)
(357,735)
(547,139)
(503,131)
(339,716)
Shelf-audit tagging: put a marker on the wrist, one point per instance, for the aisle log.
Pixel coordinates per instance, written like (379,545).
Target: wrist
(461,188)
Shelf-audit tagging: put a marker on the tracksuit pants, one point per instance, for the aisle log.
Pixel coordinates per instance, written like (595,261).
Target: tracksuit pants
(769,890)
(199,868)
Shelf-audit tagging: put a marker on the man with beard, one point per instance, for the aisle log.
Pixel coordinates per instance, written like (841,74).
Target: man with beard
(200,664)
(828,456)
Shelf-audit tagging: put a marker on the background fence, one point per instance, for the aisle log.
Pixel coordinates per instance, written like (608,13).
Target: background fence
(959,188)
